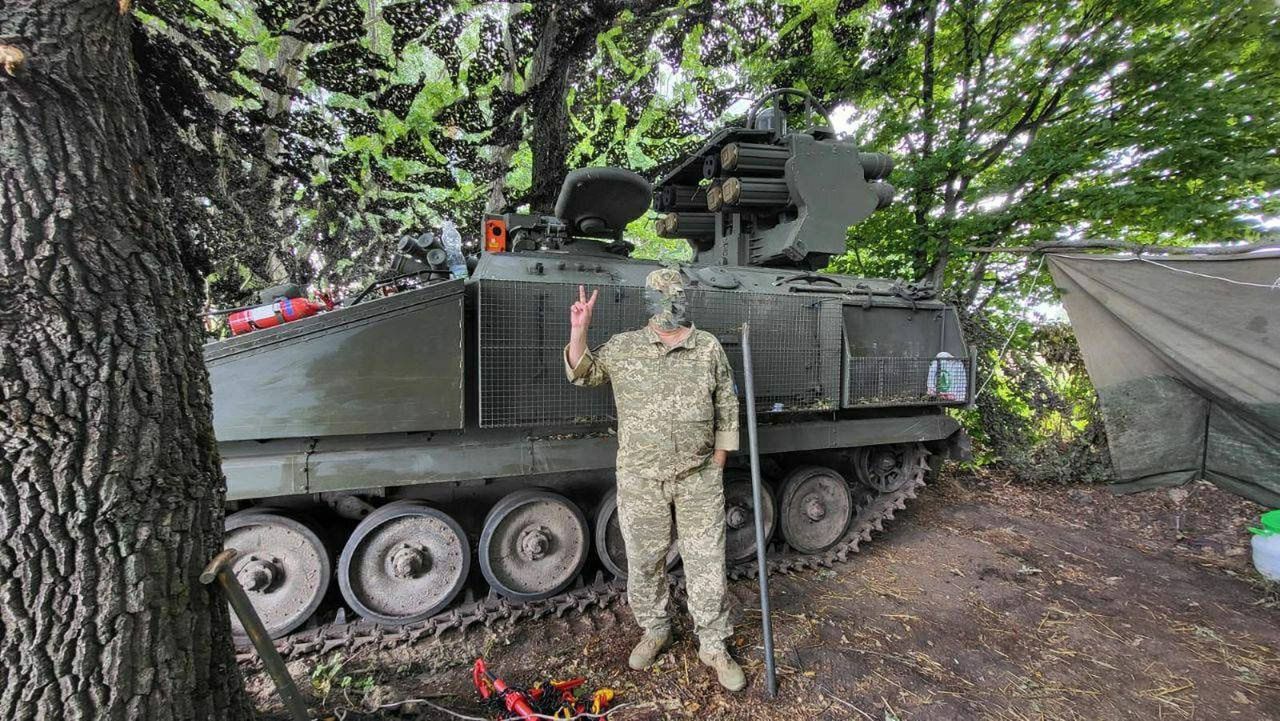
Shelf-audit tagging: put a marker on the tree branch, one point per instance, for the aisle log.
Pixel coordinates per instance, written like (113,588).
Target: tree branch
(1135,248)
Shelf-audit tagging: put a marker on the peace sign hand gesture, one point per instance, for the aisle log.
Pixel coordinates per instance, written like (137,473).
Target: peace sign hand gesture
(580,312)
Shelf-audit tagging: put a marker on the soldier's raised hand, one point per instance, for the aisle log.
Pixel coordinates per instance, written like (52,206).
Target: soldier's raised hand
(580,312)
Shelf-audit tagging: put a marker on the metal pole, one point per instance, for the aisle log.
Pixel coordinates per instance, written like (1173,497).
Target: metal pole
(220,569)
(757,501)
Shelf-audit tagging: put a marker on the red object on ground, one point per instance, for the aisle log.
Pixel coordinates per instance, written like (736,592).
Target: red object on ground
(488,685)
(281,311)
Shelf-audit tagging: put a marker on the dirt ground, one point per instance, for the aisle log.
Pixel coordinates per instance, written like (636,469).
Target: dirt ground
(985,600)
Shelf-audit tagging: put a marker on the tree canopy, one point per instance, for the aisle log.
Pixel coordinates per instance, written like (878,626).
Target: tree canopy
(332,128)
(299,140)
(314,133)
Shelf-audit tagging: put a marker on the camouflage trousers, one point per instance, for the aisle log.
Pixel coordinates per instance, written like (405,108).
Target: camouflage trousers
(645,514)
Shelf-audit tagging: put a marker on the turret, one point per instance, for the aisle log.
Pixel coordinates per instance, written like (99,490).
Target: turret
(761,195)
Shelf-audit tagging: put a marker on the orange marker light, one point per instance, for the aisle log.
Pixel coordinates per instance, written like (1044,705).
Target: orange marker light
(495,235)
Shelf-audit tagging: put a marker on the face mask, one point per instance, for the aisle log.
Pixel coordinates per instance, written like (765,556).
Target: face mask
(667,312)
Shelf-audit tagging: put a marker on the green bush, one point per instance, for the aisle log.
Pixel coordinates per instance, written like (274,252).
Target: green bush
(1038,415)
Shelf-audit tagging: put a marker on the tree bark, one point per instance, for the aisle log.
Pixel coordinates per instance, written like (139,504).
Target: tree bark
(111,496)
(566,37)
(923,193)
(549,143)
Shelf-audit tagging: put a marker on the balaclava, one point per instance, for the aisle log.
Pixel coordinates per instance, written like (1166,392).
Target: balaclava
(664,296)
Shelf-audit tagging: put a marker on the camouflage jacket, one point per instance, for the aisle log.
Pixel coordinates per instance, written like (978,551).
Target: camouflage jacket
(675,405)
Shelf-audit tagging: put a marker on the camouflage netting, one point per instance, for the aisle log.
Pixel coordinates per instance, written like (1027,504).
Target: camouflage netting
(299,140)
(1185,355)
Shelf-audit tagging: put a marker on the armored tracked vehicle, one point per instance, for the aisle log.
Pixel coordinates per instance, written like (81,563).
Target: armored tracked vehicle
(416,460)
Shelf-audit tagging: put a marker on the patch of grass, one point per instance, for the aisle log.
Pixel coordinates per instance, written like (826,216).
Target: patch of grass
(331,676)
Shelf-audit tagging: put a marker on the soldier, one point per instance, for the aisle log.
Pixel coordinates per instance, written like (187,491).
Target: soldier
(677,422)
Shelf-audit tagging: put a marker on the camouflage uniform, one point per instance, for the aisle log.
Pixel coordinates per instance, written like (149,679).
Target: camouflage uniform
(675,407)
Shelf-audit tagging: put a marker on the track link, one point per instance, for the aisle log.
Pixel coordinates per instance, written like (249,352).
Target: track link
(351,635)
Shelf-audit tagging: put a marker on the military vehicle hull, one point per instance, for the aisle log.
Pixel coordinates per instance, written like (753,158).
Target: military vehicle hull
(381,439)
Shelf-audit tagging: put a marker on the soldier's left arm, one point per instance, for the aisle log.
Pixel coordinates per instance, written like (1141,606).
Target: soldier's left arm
(726,403)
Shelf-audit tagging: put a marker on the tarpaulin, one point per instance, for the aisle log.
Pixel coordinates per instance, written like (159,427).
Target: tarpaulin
(1185,355)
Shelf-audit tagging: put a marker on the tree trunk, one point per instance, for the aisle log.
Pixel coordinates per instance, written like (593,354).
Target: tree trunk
(566,37)
(110,490)
(504,152)
(549,142)
(923,193)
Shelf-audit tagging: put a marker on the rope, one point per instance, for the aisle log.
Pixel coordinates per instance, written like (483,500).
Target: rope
(1005,346)
(1275,285)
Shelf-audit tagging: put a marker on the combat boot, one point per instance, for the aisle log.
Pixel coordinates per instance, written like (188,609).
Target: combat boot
(645,652)
(728,672)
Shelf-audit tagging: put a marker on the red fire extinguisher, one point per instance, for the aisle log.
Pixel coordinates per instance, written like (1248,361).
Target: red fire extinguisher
(282,310)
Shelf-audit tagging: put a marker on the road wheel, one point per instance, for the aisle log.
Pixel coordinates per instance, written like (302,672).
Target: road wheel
(404,563)
(533,545)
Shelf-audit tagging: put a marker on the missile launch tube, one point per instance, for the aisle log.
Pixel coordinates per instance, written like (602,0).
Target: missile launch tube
(755,192)
(753,159)
(715,199)
(677,198)
(711,167)
(687,225)
(875,166)
(884,194)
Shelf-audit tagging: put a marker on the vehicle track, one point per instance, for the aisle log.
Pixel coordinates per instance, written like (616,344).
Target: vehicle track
(350,635)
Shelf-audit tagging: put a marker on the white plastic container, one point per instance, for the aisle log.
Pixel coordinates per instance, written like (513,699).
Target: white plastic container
(947,378)
(1266,556)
